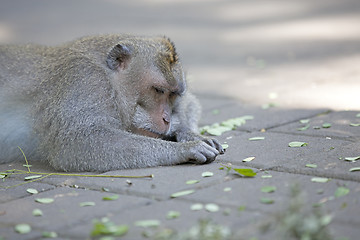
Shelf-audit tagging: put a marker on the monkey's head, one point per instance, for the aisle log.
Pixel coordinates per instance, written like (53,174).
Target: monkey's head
(150,81)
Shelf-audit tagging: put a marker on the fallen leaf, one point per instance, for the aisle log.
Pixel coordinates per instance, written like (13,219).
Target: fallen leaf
(111,197)
(225,146)
(248,159)
(310,165)
(49,235)
(207,174)
(196,207)
(352,159)
(354,169)
(22,228)
(44,200)
(32,177)
(245,172)
(173,214)
(86,204)
(182,193)
(192,182)
(106,227)
(212,207)
(268,189)
(256,138)
(341,191)
(37,212)
(326,125)
(354,124)
(320,179)
(147,223)
(304,121)
(298,144)
(267,200)
(304,128)
(32,191)
(227,189)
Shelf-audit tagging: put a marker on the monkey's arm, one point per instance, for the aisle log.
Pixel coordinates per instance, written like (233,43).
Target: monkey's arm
(107,149)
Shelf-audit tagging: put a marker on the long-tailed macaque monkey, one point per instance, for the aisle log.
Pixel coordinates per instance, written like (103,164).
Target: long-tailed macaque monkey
(99,103)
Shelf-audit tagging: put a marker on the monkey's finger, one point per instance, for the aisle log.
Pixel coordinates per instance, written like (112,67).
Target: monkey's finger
(218,146)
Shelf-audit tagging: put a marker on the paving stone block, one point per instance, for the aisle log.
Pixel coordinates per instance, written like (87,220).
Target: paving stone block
(274,153)
(65,212)
(340,125)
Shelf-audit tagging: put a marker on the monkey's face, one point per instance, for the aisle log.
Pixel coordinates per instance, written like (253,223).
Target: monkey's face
(157,100)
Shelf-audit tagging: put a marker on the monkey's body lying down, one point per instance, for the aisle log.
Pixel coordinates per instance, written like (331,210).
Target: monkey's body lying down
(99,103)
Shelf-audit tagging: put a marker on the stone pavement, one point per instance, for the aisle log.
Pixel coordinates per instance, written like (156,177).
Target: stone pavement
(242,58)
(238,198)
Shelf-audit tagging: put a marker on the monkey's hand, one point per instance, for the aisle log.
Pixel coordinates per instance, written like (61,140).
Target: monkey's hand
(199,152)
(190,136)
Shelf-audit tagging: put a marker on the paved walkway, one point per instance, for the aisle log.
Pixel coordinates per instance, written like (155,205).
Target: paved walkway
(300,56)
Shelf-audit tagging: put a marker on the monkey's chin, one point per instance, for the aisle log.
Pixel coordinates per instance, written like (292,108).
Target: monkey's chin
(147,133)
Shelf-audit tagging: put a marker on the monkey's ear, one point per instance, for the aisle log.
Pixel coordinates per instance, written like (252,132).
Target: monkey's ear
(118,57)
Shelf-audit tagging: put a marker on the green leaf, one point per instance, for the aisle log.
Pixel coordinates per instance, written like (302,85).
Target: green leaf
(3,175)
(310,165)
(227,189)
(306,127)
(358,115)
(256,138)
(196,207)
(207,174)
(225,146)
(248,159)
(341,191)
(182,193)
(215,111)
(106,227)
(173,214)
(111,197)
(268,189)
(148,223)
(245,172)
(27,165)
(32,177)
(44,200)
(49,235)
(22,228)
(266,176)
(354,124)
(304,121)
(212,207)
(32,191)
(320,179)
(86,204)
(298,144)
(354,169)
(189,182)
(352,159)
(37,212)
(267,200)
(326,125)
(241,208)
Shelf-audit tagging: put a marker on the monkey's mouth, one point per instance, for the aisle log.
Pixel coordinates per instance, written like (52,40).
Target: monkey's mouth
(148,133)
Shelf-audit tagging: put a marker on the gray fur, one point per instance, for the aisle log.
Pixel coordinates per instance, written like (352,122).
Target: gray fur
(74,106)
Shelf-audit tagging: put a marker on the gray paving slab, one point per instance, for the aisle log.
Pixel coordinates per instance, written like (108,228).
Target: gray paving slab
(166,181)
(340,125)
(247,192)
(274,153)
(65,211)
(263,118)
